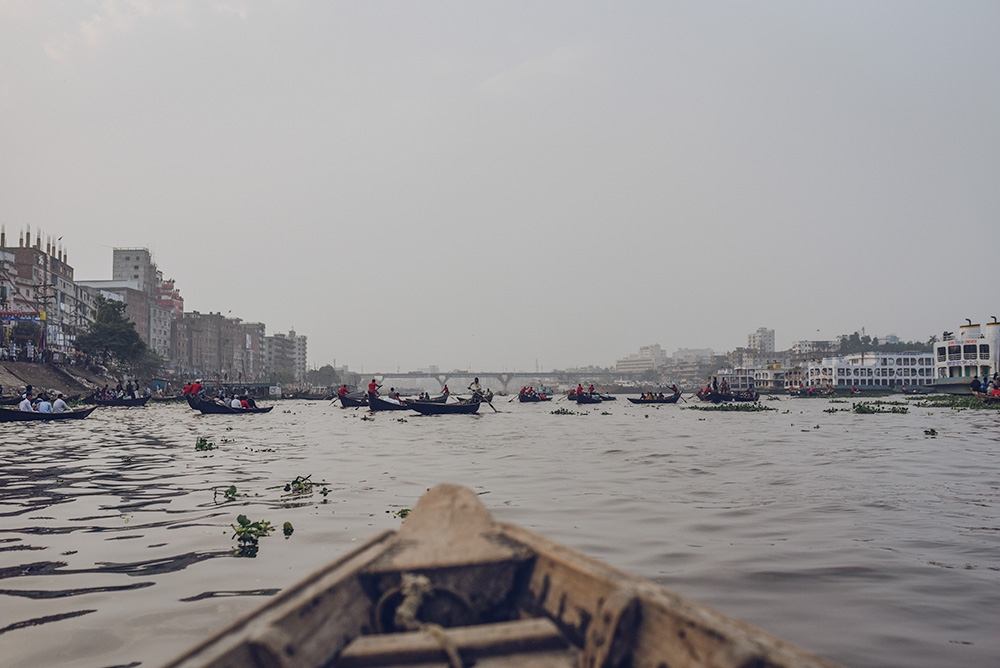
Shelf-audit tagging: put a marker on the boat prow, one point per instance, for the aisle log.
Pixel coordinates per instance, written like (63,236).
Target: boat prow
(453,586)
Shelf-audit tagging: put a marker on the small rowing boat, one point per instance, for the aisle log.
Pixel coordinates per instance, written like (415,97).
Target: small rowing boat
(377,403)
(532,398)
(8,415)
(587,398)
(433,408)
(353,401)
(671,399)
(453,587)
(210,407)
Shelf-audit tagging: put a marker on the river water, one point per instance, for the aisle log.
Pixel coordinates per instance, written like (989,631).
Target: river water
(859,537)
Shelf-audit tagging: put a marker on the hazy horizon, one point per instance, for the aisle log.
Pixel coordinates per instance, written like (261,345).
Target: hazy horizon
(489,186)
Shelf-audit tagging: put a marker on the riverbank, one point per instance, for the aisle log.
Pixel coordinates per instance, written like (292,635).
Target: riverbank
(59,377)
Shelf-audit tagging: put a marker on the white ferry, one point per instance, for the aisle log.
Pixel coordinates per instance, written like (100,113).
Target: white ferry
(872,370)
(959,358)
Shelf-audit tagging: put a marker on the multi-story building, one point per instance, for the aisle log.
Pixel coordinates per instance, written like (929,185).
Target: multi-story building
(135,264)
(150,302)
(649,357)
(39,286)
(761,340)
(168,296)
(211,345)
(286,353)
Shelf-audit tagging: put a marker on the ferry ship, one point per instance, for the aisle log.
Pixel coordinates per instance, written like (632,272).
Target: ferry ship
(959,358)
(880,370)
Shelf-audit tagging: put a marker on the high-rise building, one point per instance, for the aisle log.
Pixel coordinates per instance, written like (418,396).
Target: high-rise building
(762,340)
(135,264)
(286,353)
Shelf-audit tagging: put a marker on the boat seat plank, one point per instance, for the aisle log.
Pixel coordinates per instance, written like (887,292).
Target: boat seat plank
(566,658)
(514,638)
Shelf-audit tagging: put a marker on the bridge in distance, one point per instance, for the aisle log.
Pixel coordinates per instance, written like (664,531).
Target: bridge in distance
(505,377)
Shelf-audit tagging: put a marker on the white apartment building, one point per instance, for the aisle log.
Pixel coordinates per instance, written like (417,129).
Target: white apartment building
(649,357)
(762,340)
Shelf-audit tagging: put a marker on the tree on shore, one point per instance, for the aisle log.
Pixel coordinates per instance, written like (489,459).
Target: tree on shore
(112,340)
(325,376)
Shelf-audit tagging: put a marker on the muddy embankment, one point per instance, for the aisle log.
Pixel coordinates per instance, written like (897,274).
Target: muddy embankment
(69,380)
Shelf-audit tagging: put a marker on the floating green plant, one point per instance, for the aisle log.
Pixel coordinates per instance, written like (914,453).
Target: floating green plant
(930,432)
(401,513)
(956,402)
(287,529)
(228,494)
(755,407)
(565,411)
(871,407)
(203,443)
(248,534)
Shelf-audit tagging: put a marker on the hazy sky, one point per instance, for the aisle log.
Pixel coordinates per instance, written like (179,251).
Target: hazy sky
(493,183)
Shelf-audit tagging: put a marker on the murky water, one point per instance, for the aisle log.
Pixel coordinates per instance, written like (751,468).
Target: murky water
(856,536)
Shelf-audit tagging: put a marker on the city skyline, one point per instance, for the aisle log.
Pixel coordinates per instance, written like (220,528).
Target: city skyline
(490,186)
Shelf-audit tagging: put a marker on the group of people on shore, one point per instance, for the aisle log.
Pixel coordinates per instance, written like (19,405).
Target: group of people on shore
(42,403)
(126,391)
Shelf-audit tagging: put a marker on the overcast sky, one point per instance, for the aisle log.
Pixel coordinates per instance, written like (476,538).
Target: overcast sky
(495,184)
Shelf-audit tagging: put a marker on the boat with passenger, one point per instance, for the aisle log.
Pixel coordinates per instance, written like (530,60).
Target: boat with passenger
(11,415)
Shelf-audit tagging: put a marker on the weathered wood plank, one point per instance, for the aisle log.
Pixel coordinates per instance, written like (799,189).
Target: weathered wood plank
(472,642)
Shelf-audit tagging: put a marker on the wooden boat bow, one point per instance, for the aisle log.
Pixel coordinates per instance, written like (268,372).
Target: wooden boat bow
(453,586)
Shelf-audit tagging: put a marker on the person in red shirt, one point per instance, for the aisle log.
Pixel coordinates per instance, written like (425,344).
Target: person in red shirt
(187,389)
(579,389)
(196,388)
(590,390)
(342,392)
(373,387)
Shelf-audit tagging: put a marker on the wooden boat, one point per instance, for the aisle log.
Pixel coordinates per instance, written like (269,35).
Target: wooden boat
(440,399)
(376,403)
(8,415)
(716,397)
(12,400)
(532,398)
(141,401)
(986,398)
(747,395)
(353,400)
(672,399)
(434,408)
(453,586)
(209,407)
(587,398)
